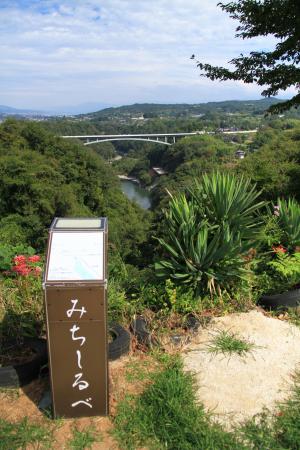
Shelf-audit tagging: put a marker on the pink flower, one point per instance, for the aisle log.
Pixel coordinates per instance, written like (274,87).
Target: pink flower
(34,258)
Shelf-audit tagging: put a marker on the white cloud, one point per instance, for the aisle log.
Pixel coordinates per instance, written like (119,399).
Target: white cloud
(114,51)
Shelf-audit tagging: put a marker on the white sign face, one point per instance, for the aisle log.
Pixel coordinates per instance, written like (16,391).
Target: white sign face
(76,256)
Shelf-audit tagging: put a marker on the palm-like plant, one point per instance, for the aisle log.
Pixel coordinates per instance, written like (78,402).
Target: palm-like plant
(228,201)
(209,231)
(289,222)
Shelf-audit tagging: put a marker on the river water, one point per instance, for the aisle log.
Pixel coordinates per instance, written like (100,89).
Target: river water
(134,192)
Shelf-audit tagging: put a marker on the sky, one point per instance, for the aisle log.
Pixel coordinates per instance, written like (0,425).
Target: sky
(116,52)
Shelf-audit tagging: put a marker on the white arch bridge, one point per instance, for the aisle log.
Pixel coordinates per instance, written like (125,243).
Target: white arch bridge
(157,138)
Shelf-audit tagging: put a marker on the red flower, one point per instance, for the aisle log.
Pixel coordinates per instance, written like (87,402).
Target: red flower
(21,269)
(34,258)
(279,249)
(19,259)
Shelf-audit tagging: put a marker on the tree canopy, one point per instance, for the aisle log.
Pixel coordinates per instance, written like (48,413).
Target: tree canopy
(274,70)
(43,176)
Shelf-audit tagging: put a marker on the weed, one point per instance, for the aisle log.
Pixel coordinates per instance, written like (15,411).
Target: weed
(83,439)
(15,436)
(278,431)
(229,343)
(138,370)
(166,416)
(293,315)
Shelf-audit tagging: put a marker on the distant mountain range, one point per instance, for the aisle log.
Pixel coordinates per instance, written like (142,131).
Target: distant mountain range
(182,109)
(8,110)
(64,110)
(104,111)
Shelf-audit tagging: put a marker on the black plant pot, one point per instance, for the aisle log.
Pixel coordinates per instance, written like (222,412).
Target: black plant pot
(21,374)
(290,299)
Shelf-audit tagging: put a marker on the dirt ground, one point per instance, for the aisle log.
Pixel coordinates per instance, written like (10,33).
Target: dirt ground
(18,403)
(235,387)
(232,388)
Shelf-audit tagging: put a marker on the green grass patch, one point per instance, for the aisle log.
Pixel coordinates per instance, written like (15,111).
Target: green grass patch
(83,439)
(229,343)
(137,370)
(294,316)
(167,416)
(280,431)
(15,436)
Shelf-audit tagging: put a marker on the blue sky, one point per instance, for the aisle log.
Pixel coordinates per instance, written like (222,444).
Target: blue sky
(70,52)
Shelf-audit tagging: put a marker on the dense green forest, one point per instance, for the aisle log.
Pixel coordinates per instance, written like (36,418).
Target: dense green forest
(43,176)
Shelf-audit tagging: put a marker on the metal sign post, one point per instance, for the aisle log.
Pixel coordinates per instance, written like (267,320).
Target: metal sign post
(75,286)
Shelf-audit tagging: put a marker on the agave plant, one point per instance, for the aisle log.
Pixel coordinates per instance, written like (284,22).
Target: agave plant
(205,243)
(228,201)
(289,221)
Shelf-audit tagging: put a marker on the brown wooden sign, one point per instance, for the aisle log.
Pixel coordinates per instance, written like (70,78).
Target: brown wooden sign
(77,339)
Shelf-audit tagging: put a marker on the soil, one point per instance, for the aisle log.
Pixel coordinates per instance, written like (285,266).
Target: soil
(19,403)
(234,388)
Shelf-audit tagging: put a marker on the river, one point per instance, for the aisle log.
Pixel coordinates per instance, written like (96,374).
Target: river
(134,192)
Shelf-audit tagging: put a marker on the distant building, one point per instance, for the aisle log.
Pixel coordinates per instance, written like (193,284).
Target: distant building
(240,154)
(157,171)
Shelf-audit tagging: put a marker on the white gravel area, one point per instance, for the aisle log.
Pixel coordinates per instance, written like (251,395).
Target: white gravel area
(235,387)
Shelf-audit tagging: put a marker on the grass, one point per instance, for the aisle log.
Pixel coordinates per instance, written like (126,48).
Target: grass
(293,316)
(167,416)
(138,370)
(83,439)
(280,431)
(21,435)
(229,343)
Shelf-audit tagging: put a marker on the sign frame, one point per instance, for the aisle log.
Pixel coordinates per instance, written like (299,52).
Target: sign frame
(91,295)
(55,229)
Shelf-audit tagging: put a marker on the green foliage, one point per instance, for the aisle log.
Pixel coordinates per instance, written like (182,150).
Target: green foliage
(289,222)
(276,69)
(274,166)
(208,233)
(12,230)
(120,309)
(167,416)
(207,148)
(283,272)
(43,176)
(271,233)
(225,201)
(83,439)
(8,252)
(181,300)
(280,431)
(229,343)
(21,307)
(21,435)
(166,298)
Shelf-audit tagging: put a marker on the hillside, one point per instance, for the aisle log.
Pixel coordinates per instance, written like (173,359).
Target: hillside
(43,176)
(184,109)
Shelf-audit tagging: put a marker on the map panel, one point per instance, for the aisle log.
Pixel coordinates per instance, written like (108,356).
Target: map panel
(76,256)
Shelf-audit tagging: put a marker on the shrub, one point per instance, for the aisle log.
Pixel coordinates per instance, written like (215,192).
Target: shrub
(289,222)
(8,252)
(21,299)
(210,233)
